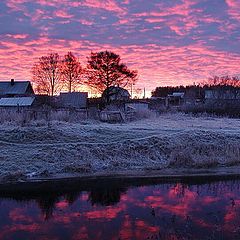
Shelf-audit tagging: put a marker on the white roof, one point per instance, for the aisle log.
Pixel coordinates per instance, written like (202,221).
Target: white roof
(178,94)
(16,101)
(17,87)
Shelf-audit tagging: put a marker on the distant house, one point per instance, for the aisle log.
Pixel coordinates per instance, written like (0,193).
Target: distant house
(175,98)
(177,95)
(222,94)
(73,99)
(17,102)
(115,94)
(15,88)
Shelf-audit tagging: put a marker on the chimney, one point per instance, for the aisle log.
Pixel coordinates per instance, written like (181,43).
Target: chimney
(12,81)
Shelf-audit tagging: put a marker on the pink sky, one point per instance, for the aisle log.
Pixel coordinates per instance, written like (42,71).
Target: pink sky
(168,42)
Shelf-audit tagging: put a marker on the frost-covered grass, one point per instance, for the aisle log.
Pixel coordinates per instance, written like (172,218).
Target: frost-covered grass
(170,141)
(43,116)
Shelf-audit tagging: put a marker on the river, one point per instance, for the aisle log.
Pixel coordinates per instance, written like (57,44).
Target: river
(123,209)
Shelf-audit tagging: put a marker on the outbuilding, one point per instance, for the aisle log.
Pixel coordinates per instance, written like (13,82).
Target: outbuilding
(73,99)
(17,102)
(113,93)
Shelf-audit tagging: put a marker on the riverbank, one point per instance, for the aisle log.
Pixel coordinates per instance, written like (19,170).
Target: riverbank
(170,144)
(61,184)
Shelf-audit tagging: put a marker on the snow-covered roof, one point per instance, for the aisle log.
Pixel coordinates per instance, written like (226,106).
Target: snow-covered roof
(178,94)
(17,101)
(14,87)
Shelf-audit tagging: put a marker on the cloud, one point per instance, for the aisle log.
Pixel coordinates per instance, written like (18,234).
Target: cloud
(234,9)
(62,14)
(181,41)
(17,36)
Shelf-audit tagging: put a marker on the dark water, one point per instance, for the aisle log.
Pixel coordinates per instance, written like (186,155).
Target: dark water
(123,210)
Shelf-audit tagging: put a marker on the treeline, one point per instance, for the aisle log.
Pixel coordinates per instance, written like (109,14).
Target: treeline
(197,91)
(52,73)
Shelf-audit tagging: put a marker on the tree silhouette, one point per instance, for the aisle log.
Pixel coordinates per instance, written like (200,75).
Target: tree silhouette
(72,71)
(233,81)
(106,195)
(104,69)
(46,74)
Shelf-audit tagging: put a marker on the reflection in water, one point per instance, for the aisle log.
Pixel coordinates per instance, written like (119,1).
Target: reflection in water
(123,210)
(106,196)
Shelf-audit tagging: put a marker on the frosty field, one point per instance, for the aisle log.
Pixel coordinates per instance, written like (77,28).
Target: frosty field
(170,143)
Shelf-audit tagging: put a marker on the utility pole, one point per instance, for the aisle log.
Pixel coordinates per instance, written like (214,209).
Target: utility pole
(131,91)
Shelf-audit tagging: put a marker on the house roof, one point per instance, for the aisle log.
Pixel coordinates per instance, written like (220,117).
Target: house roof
(16,102)
(116,92)
(17,87)
(177,94)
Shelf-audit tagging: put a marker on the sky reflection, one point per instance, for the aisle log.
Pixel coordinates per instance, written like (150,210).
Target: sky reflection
(160,211)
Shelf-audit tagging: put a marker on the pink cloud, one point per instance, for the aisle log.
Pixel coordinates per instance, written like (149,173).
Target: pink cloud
(17,36)
(62,7)
(86,22)
(183,17)
(162,65)
(234,8)
(62,14)
(108,5)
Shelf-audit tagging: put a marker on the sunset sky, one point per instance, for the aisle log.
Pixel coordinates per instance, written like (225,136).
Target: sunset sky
(169,42)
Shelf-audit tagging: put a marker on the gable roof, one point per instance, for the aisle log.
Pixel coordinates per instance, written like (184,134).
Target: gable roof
(17,87)
(16,101)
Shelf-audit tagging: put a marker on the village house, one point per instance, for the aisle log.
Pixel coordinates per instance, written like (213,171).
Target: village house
(16,94)
(222,94)
(14,88)
(175,99)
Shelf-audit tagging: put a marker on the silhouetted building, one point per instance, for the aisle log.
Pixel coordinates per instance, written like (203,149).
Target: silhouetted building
(74,99)
(115,94)
(176,98)
(222,94)
(15,88)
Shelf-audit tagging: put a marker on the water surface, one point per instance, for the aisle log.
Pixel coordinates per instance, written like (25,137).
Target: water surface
(124,210)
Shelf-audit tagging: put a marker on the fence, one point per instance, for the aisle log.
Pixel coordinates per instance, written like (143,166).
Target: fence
(27,115)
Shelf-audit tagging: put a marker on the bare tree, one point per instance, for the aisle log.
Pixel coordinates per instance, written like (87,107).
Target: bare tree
(72,71)
(224,86)
(46,74)
(104,69)
(224,81)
